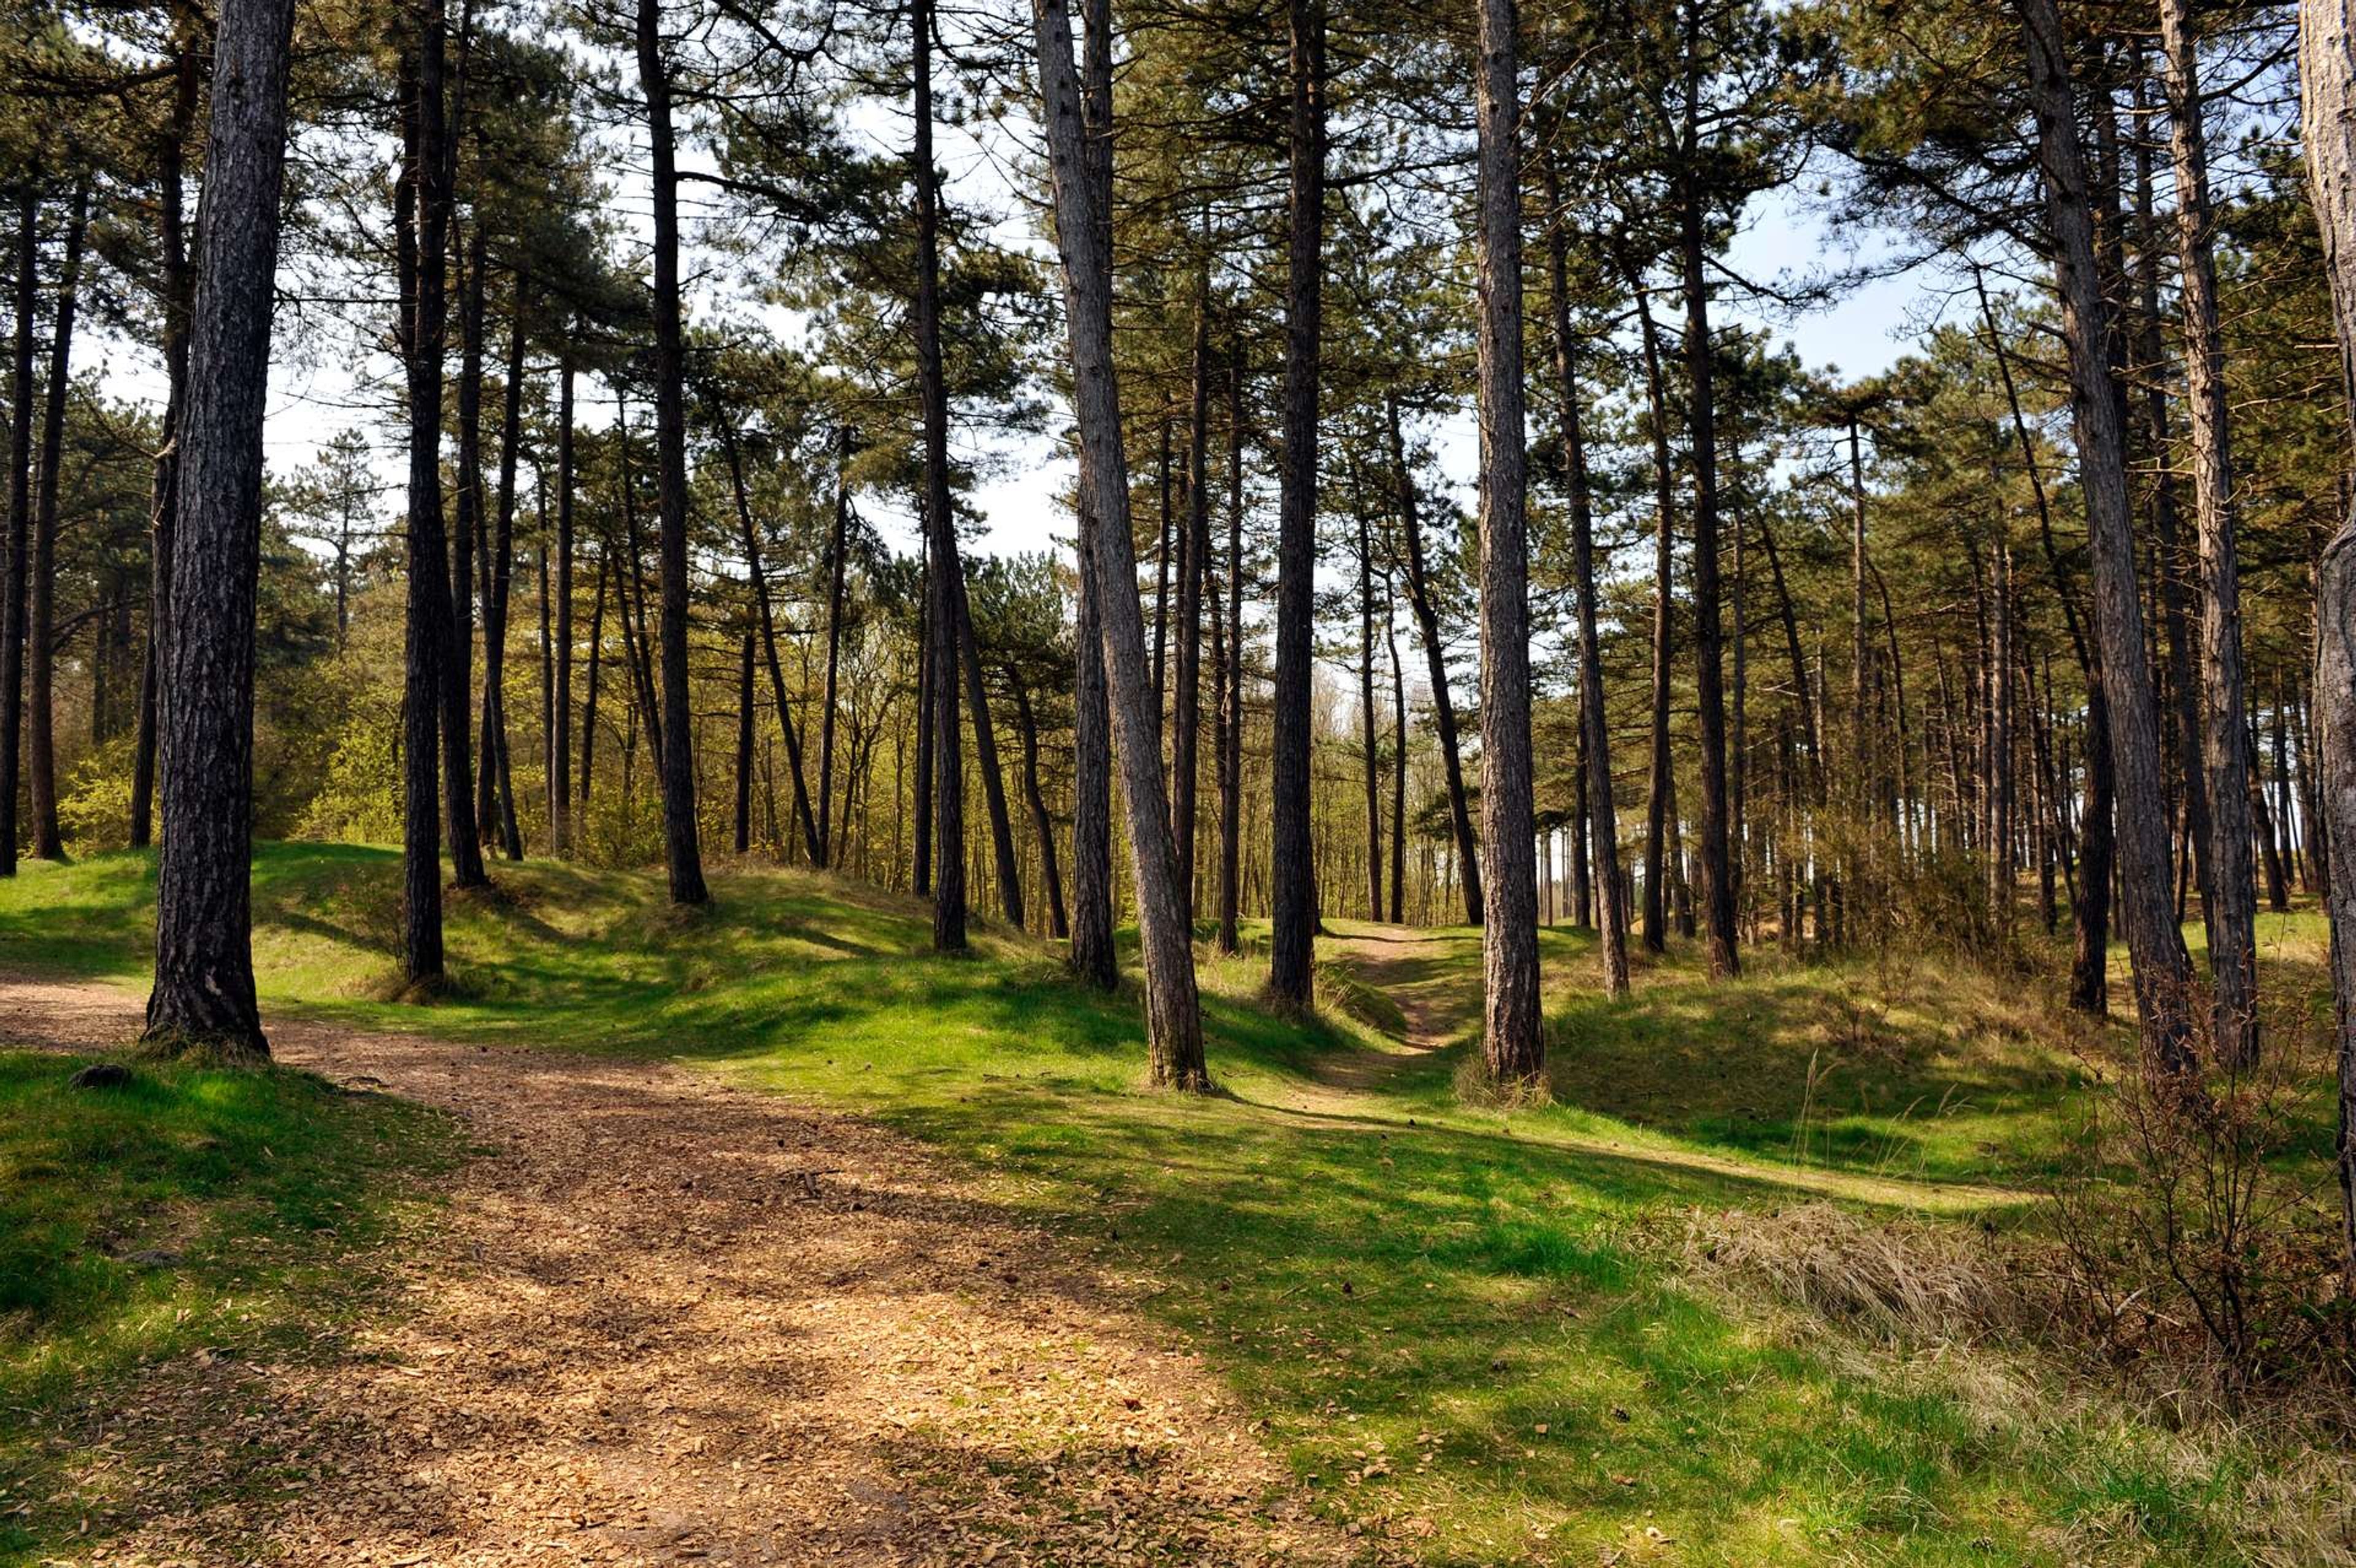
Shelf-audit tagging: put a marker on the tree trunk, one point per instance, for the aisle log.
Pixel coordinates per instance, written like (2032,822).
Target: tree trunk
(499,567)
(985,761)
(922,854)
(560,714)
(589,700)
(1081,194)
(1717,890)
(2232,939)
(423,216)
(467,867)
(1093,957)
(1443,710)
(1231,691)
(1657,801)
(940,520)
(1292,914)
(744,837)
(17,560)
(2155,947)
(1514,1028)
(1399,757)
(837,548)
(682,853)
(1369,748)
(1042,823)
(1602,824)
(1185,734)
(175,306)
(40,719)
(203,995)
(750,535)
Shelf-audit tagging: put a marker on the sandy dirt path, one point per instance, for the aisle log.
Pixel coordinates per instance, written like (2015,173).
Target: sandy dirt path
(661,1319)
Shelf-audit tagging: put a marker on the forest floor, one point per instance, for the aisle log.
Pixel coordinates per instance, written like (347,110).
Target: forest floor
(664,1319)
(1358,1311)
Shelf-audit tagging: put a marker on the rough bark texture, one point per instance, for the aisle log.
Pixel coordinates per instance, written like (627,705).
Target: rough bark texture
(422,211)
(204,956)
(1231,687)
(176,302)
(2327,59)
(2233,941)
(1292,893)
(1435,653)
(1186,732)
(1717,868)
(458,675)
(837,549)
(40,613)
(2147,910)
(17,559)
(682,852)
(1603,822)
(1514,1028)
(1172,1010)
(946,584)
(1656,798)
(1043,823)
(1092,956)
(495,786)
(560,713)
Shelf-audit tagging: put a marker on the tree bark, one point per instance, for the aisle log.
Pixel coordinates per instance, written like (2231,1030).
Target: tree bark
(1231,688)
(1601,818)
(1174,1017)
(560,714)
(40,719)
(2232,940)
(1042,823)
(812,837)
(174,307)
(1092,955)
(1443,710)
(1514,1028)
(203,995)
(423,216)
(985,761)
(1185,734)
(940,521)
(682,853)
(499,567)
(1717,871)
(1292,915)
(2145,909)
(1656,800)
(17,560)
(837,549)
(744,740)
(458,659)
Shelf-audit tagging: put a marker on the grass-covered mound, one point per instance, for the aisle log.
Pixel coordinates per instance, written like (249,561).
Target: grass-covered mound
(1490,1331)
(179,1211)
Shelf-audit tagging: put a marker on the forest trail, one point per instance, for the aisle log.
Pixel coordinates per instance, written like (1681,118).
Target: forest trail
(662,1319)
(1434,979)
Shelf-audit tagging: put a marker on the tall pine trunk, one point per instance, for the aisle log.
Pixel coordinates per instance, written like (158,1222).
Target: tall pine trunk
(1082,203)
(1514,1028)
(1663,786)
(1435,653)
(16,561)
(458,675)
(940,520)
(682,852)
(203,995)
(40,615)
(1231,688)
(1292,915)
(837,548)
(2233,941)
(2146,908)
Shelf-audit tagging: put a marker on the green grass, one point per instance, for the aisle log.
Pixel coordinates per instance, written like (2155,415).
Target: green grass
(186,1210)
(1470,1323)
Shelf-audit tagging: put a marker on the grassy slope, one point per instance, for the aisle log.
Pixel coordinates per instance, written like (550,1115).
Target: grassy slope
(1463,1320)
(186,1210)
